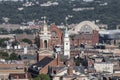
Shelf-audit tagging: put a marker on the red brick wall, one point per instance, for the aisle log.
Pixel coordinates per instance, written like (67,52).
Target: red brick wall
(78,39)
(95,37)
(54,41)
(53,63)
(41,43)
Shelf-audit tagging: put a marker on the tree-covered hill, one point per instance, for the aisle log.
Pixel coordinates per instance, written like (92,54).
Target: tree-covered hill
(105,11)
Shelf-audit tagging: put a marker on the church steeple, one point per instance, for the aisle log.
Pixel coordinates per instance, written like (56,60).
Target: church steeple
(66,32)
(45,36)
(45,28)
(66,43)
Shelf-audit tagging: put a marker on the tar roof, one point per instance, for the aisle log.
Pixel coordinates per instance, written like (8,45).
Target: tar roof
(44,62)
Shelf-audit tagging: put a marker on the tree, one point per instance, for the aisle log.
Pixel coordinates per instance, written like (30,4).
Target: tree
(4,55)
(13,56)
(14,43)
(78,61)
(37,42)
(18,31)
(42,77)
(27,41)
(2,42)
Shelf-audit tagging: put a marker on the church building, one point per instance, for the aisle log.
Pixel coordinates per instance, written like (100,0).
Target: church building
(49,37)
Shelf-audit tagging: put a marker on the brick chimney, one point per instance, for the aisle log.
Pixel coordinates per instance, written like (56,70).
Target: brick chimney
(58,59)
(70,70)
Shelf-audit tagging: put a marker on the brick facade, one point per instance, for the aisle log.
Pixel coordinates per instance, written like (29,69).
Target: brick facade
(56,35)
(55,62)
(85,38)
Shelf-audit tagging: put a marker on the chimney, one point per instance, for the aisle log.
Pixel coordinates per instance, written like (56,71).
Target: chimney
(70,70)
(58,58)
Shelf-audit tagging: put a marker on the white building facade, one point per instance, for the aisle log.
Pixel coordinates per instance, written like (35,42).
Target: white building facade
(66,44)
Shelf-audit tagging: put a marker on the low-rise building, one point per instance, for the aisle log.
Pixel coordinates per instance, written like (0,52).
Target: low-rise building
(10,67)
(68,73)
(104,67)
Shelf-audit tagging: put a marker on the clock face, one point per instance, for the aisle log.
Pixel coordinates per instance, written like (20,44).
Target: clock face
(86,29)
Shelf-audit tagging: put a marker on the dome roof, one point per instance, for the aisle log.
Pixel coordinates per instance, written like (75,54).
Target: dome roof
(84,26)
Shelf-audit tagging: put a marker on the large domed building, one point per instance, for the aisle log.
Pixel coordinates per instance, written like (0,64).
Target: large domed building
(85,32)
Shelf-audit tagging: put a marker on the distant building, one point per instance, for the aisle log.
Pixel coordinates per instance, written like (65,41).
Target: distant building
(85,32)
(68,73)
(49,37)
(20,37)
(10,26)
(10,67)
(21,76)
(56,36)
(43,65)
(104,67)
(110,36)
(9,36)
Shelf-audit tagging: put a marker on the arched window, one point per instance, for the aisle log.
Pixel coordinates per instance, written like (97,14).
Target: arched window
(45,44)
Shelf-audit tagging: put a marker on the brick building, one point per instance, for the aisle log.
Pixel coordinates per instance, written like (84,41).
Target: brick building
(56,35)
(20,37)
(49,37)
(43,65)
(11,67)
(85,38)
(68,73)
(84,33)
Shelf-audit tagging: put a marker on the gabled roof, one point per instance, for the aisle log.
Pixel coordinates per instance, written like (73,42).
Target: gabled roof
(75,68)
(43,62)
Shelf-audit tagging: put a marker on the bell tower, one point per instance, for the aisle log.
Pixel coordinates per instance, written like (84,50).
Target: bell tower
(45,42)
(45,36)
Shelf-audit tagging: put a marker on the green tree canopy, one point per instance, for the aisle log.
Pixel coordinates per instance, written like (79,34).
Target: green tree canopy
(27,41)
(13,56)
(42,77)
(4,55)
(2,42)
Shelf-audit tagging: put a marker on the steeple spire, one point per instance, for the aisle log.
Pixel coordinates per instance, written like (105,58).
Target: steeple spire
(45,29)
(66,32)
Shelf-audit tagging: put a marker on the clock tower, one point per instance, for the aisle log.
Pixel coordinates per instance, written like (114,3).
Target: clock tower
(66,44)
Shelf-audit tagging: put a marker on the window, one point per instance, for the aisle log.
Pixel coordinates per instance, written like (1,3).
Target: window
(53,33)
